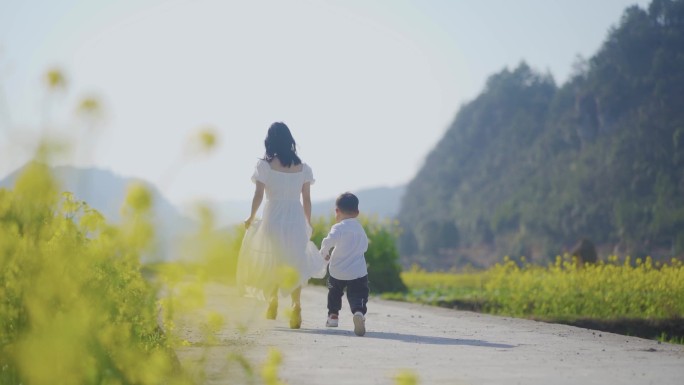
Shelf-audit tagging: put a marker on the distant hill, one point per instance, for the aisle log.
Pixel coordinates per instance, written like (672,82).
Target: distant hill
(105,191)
(529,167)
(382,202)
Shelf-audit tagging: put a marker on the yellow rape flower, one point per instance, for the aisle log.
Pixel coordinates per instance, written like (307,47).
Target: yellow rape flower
(54,78)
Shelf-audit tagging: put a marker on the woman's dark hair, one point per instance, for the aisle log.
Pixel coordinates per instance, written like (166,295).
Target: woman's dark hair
(279,142)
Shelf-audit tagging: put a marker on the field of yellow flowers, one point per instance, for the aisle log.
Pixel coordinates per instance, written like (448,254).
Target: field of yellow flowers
(563,291)
(77,305)
(74,307)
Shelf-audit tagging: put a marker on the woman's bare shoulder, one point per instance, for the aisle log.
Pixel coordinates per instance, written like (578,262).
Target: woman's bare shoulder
(278,166)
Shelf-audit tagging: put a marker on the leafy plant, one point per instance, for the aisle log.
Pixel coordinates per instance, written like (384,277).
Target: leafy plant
(382,257)
(75,308)
(630,289)
(529,167)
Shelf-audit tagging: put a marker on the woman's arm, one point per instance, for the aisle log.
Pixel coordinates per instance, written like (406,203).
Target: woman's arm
(306,201)
(256,202)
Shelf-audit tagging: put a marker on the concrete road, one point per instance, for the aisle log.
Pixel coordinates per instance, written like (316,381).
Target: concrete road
(440,346)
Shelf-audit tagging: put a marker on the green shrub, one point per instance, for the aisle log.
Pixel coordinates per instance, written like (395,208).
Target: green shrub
(382,256)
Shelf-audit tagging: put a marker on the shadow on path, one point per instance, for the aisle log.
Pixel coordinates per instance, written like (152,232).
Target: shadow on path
(410,338)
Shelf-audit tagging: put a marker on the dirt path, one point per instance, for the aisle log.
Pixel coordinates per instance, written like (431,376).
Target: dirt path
(440,346)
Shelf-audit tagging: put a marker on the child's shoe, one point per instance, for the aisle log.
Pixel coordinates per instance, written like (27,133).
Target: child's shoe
(359,324)
(332,321)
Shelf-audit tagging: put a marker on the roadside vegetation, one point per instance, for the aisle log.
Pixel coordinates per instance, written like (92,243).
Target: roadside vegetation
(78,305)
(632,296)
(530,166)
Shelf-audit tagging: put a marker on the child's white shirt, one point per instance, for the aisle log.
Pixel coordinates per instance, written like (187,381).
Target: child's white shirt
(347,261)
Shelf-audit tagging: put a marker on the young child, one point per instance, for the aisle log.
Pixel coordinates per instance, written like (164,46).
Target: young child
(347,268)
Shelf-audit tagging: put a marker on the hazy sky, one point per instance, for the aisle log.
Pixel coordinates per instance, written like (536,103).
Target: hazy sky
(367,87)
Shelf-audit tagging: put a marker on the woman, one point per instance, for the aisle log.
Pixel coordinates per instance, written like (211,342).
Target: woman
(276,255)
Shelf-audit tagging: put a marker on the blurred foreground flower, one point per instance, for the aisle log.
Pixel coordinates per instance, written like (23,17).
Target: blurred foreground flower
(205,216)
(208,139)
(213,250)
(75,307)
(406,377)
(205,140)
(269,371)
(55,79)
(138,198)
(50,148)
(138,230)
(90,108)
(202,141)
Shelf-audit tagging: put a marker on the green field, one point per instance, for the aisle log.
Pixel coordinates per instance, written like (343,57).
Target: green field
(637,297)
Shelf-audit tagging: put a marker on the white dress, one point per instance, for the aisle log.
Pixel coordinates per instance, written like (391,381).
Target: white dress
(276,251)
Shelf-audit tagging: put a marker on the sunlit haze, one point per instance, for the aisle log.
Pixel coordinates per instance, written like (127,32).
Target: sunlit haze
(367,87)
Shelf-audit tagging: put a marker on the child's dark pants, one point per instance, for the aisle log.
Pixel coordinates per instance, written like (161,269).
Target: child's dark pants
(357,294)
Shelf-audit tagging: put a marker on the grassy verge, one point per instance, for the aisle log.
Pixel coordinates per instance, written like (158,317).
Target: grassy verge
(634,297)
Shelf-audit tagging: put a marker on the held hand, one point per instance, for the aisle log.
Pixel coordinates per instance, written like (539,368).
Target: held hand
(248,222)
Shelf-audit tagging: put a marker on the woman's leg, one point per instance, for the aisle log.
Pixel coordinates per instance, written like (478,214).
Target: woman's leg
(272,310)
(296,297)
(296,317)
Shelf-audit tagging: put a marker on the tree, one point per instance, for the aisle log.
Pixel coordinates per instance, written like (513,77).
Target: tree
(602,154)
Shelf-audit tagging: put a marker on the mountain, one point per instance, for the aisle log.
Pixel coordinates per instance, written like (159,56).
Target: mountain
(105,191)
(529,167)
(382,202)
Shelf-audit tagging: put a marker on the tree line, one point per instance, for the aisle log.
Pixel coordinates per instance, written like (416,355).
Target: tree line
(529,167)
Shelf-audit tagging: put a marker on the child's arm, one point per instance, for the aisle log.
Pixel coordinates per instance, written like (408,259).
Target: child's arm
(329,242)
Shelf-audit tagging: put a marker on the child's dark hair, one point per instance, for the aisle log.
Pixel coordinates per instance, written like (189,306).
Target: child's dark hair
(347,203)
